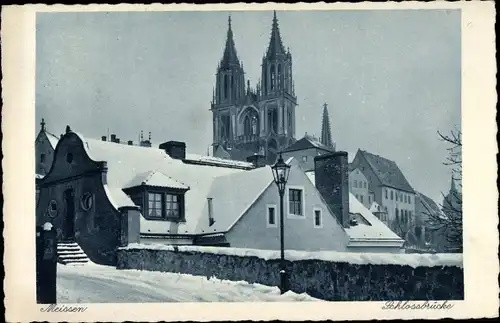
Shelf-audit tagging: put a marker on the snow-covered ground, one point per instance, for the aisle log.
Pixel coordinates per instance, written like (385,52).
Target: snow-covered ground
(103,284)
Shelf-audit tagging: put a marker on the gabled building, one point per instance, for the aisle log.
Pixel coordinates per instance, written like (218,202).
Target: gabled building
(390,188)
(426,235)
(103,195)
(304,151)
(45,144)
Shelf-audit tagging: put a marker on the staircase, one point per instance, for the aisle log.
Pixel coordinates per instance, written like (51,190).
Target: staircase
(70,253)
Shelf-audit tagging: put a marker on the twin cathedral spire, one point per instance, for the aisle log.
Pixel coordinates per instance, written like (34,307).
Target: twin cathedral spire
(246,120)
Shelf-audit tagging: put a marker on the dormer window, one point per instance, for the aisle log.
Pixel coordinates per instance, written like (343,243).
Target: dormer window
(160,196)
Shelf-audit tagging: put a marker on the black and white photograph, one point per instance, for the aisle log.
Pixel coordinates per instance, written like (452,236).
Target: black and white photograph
(265,155)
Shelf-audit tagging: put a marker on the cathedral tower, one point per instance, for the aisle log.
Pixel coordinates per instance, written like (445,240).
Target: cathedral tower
(248,121)
(277,93)
(229,90)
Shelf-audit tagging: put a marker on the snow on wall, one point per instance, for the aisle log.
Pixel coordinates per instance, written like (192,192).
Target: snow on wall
(412,260)
(334,279)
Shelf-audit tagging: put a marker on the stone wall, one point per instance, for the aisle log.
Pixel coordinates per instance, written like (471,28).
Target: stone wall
(320,278)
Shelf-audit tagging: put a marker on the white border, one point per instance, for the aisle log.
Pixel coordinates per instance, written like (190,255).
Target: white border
(480,191)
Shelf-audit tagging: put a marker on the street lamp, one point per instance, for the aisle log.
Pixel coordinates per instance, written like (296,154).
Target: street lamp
(281,171)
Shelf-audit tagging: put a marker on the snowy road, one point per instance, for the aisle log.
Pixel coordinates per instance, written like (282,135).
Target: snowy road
(103,284)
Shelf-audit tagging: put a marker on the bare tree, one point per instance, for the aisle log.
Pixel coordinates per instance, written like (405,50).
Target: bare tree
(448,223)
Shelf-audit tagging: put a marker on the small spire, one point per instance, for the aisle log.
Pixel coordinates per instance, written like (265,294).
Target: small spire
(42,124)
(230,57)
(326,133)
(275,43)
(150,136)
(142,135)
(68,129)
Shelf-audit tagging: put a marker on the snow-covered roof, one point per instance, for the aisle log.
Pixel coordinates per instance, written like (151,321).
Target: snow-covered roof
(53,139)
(155,178)
(232,195)
(361,232)
(375,207)
(125,162)
(376,231)
(307,142)
(218,161)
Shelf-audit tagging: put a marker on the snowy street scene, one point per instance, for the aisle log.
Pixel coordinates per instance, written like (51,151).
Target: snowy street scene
(248,156)
(105,284)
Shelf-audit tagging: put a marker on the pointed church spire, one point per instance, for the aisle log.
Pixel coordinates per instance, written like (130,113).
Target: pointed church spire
(326,133)
(275,43)
(230,56)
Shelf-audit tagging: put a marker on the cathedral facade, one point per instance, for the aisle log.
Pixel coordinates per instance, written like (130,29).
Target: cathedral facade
(259,120)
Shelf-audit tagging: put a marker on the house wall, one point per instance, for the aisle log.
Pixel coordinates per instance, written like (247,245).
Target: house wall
(43,146)
(374,183)
(299,155)
(357,182)
(392,204)
(97,230)
(252,231)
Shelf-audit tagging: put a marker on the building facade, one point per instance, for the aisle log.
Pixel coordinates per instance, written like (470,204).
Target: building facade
(250,120)
(390,189)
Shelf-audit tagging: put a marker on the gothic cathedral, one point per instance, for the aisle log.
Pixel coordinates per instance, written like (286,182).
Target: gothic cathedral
(260,120)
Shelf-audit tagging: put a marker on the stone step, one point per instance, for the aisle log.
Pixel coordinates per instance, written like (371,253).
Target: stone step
(73,256)
(70,253)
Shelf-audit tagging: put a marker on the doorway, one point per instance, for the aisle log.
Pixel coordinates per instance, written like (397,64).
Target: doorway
(69,218)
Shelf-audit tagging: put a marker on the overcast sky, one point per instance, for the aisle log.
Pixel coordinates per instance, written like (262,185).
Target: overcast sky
(392,79)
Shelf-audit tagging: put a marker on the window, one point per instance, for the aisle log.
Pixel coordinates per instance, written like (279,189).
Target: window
(397,214)
(369,199)
(69,158)
(172,206)
(52,209)
(295,201)
(409,199)
(361,198)
(392,195)
(318,221)
(364,183)
(355,183)
(271,216)
(42,158)
(86,201)
(304,159)
(386,196)
(155,209)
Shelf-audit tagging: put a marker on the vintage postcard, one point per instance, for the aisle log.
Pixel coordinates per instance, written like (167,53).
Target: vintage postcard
(249,162)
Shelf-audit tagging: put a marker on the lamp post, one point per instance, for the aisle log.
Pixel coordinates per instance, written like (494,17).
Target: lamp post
(281,171)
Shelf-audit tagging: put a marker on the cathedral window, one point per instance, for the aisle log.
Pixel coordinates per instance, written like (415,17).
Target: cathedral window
(272,117)
(279,77)
(226,86)
(273,76)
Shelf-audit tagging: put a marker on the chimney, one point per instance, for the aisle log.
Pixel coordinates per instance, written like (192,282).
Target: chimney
(211,219)
(175,149)
(113,137)
(103,138)
(331,177)
(257,159)
(130,143)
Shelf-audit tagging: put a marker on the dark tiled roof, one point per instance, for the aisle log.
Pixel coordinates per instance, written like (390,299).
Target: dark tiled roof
(387,172)
(305,143)
(430,203)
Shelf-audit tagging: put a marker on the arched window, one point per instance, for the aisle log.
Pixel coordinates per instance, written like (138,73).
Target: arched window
(226,86)
(247,126)
(279,76)
(273,76)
